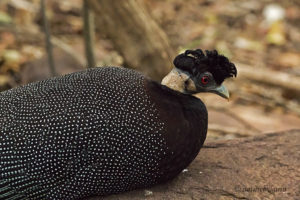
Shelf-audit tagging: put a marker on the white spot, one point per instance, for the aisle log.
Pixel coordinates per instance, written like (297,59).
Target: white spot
(148,193)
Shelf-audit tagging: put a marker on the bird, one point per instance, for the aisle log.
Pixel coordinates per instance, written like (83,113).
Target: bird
(106,130)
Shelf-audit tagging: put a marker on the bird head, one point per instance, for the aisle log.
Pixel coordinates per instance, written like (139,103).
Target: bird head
(196,71)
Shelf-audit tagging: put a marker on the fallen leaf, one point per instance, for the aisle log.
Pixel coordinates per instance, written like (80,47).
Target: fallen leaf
(5,18)
(245,43)
(276,34)
(289,59)
(4,80)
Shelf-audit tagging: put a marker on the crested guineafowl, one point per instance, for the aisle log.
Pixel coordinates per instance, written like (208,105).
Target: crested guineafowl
(105,130)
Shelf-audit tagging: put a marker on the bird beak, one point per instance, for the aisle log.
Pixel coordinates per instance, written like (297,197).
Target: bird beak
(221,91)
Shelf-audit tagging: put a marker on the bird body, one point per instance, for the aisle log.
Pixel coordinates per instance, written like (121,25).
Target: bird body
(105,130)
(96,132)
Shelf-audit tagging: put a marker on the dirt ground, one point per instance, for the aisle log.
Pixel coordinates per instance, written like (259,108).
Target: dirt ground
(219,172)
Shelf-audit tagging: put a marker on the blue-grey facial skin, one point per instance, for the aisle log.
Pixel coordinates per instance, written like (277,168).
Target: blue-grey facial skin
(209,86)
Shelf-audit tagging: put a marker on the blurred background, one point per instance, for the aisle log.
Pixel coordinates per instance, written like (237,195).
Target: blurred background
(262,37)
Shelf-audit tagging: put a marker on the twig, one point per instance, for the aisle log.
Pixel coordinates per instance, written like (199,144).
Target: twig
(24,32)
(262,99)
(236,117)
(89,34)
(24,5)
(48,39)
(68,49)
(229,130)
(268,76)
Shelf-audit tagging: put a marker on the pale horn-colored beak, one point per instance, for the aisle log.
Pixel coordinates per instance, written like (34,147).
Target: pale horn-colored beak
(221,91)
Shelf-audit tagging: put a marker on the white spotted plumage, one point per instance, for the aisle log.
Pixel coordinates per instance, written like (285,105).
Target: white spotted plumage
(94,132)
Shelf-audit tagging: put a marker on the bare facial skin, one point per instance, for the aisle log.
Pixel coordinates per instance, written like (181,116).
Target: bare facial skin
(182,82)
(178,81)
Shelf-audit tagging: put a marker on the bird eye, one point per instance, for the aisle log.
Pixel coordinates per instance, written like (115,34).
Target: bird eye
(204,80)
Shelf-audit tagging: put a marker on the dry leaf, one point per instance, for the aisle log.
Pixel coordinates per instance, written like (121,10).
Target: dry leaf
(289,59)
(276,34)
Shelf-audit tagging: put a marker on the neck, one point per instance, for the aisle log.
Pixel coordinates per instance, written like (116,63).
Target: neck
(175,80)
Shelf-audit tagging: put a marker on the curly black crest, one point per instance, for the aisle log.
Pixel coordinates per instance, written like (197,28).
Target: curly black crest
(196,62)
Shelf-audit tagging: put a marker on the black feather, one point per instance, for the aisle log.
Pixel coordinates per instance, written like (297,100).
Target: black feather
(196,62)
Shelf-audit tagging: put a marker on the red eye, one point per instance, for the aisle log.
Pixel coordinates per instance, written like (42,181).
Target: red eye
(204,80)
